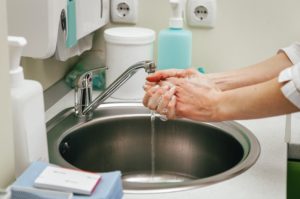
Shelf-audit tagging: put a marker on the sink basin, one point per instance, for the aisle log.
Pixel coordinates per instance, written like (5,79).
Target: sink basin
(180,154)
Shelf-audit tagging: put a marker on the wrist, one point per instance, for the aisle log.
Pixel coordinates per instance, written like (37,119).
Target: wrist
(215,108)
(224,81)
(222,110)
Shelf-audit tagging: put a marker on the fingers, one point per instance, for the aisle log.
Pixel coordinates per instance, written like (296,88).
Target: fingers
(187,82)
(149,93)
(154,95)
(171,108)
(149,85)
(191,72)
(155,99)
(162,107)
(179,73)
(164,74)
(176,81)
(166,107)
(170,111)
(161,99)
(166,84)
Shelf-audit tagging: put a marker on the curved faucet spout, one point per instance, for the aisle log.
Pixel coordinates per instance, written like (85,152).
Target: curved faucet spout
(84,105)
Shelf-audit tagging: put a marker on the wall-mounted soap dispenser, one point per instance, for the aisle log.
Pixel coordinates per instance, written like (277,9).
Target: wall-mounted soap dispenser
(40,23)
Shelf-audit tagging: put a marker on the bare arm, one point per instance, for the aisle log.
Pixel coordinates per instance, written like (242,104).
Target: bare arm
(257,73)
(251,92)
(207,103)
(256,101)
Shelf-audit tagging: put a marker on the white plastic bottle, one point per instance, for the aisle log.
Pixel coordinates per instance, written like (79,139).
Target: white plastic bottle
(30,138)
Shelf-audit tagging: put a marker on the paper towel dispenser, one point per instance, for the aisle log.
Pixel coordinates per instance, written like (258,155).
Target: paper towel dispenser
(39,22)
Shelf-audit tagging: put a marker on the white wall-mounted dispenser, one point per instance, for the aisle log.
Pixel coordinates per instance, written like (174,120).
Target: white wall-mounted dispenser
(30,138)
(48,24)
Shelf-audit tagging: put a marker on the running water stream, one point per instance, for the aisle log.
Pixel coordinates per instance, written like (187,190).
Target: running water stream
(152,145)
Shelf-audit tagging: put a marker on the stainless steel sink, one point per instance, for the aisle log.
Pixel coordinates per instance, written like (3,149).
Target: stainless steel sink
(183,155)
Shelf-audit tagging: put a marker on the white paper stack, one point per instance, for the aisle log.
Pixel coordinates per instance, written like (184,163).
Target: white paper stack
(67,180)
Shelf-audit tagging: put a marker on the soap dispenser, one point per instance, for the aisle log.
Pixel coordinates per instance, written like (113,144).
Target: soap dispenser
(30,138)
(175,43)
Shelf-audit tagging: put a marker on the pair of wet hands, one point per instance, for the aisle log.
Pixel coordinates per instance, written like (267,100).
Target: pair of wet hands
(160,97)
(160,89)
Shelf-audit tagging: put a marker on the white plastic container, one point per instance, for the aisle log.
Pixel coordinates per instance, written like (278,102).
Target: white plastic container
(30,138)
(126,46)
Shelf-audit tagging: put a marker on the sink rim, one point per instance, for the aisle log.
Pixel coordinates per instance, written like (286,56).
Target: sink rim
(239,132)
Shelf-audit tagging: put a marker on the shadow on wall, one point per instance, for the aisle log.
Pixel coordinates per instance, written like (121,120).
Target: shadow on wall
(46,71)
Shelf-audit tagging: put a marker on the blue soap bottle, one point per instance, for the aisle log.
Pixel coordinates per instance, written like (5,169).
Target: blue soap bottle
(175,43)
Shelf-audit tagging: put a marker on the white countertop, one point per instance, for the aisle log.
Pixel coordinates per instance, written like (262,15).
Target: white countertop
(295,128)
(266,179)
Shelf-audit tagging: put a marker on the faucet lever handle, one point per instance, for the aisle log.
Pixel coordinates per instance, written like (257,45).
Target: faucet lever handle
(83,90)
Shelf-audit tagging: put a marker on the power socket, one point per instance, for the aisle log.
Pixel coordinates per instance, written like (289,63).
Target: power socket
(124,11)
(201,13)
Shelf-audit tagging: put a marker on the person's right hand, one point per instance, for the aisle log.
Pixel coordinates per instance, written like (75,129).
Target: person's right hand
(196,99)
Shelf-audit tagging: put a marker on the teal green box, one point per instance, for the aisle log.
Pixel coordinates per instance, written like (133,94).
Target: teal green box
(293,179)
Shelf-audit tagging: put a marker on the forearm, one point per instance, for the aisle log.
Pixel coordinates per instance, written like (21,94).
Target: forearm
(260,72)
(256,101)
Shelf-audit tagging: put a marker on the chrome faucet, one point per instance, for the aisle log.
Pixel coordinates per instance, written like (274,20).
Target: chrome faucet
(84,105)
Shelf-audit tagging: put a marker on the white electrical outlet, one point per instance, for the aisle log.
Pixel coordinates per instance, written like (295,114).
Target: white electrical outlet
(124,11)
(201,13)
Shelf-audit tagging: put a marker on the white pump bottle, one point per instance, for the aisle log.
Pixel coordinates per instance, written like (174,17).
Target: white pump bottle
(30,138)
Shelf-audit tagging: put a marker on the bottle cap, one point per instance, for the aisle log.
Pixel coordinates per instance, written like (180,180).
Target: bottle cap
(176,20)
(176,23)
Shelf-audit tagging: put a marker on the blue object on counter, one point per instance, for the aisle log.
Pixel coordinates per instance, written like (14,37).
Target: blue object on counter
(98,78)
(34,193)
(201,70)
(110,186)
(71,24)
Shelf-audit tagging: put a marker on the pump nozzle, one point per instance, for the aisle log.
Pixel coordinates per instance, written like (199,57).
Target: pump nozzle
(176,20)
(16,45)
